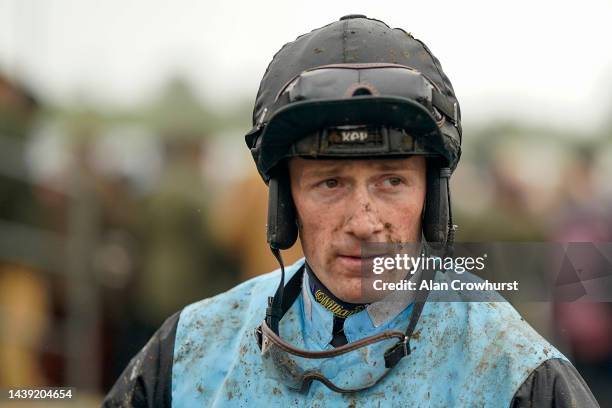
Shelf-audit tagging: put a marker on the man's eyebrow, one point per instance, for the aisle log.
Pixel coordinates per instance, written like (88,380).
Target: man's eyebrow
(329,169)
(391,165)
(325,170)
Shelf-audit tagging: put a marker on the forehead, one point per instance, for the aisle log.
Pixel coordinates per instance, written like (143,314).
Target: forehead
(316,167)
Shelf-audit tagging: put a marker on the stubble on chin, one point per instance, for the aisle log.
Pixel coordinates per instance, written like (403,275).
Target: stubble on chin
(346,288)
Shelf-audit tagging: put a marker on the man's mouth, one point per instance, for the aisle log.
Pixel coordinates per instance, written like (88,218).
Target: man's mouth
(363,256)
(360,257)
(354,261)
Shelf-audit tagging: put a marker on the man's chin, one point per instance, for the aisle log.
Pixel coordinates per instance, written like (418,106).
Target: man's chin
(347,288)
(345,280)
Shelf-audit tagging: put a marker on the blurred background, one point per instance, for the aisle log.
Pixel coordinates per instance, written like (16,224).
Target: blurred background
(126,190)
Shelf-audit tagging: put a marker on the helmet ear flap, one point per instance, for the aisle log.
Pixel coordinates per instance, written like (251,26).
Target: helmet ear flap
(282,230)
(437,215)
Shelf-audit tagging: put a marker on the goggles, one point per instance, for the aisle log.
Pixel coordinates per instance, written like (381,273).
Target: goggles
(374,356)
(374,95)
(342,81)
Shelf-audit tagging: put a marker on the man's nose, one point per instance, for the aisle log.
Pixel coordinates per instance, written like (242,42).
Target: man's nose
(363,220)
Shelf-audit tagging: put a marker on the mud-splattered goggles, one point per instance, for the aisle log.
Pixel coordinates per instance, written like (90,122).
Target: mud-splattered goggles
(340,95)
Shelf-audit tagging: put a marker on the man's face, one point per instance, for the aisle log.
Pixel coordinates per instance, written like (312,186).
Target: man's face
(342,204)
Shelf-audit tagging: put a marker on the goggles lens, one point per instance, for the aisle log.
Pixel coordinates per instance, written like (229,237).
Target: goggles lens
(350,80)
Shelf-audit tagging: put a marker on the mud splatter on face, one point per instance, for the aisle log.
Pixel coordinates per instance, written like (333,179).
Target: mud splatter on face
(389,230)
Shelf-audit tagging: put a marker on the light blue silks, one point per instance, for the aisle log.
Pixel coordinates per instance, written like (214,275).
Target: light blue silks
(464,354)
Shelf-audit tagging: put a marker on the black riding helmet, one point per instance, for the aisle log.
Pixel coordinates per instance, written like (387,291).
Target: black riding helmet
(355,88)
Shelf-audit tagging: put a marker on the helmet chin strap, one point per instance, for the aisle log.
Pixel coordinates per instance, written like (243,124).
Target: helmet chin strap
(274,312)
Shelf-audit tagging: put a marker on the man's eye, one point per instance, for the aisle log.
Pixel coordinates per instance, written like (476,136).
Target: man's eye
(331,183)
(393,181)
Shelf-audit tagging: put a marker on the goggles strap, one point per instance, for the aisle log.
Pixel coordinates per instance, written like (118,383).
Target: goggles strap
(402,348)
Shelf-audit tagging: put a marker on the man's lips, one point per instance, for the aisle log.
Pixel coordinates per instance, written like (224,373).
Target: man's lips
(355,261)
(359,255)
